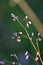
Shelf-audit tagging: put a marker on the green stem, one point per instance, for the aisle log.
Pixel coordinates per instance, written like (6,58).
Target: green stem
(27,34)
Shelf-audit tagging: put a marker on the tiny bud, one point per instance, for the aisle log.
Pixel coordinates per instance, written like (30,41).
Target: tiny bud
(38,53)
(29,22)
(26,17)
(13,63)
(36,59)
(38,34)
(12,37)
(32,34)
(14,55)
(18,40)
(11,55)
(27,25)
(39,39)
(18,37)
(26,53)
(42,63)
(14,19)
(12,15)
(20,32)
(27,57)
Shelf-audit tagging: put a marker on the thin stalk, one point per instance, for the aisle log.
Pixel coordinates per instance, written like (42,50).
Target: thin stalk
(27,34)
(39,53)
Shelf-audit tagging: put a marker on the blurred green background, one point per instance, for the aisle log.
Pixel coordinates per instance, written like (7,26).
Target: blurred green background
(8,27)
